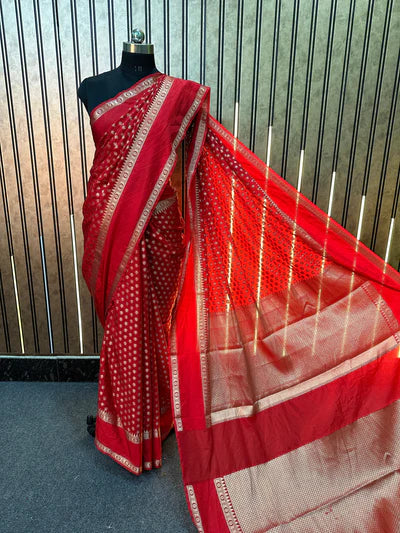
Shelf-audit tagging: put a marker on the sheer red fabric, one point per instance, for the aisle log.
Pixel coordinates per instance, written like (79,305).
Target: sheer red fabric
(279,329)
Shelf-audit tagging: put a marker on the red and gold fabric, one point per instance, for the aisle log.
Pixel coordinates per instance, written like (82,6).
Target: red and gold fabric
(267,333)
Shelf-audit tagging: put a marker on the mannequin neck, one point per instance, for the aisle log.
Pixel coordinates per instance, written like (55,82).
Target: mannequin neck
(133,64)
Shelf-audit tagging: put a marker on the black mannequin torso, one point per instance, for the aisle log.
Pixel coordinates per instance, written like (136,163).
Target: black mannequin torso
(96,89)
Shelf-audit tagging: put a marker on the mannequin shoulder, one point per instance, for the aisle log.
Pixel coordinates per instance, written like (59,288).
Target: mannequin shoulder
(93,82)
(94,89)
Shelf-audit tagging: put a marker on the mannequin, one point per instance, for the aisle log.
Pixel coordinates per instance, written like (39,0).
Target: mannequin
(137,61)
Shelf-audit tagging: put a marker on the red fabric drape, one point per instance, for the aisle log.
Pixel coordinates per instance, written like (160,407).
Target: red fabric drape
(283,343)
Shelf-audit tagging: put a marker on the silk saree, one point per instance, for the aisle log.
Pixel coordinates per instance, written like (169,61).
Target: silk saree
(252,322)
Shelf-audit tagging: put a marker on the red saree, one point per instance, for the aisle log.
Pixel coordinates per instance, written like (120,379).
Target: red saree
(268,328)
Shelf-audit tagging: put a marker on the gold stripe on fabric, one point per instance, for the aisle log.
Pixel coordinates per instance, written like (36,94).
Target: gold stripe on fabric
(119,458)
(126,171)
(135,90)
(201,316)
(226,506)
(195,508)
(316,486)
(343,369)
(173,356)
(197,144)
(264,384)
(173,352)
(175,382)
(136,438)
(157,189)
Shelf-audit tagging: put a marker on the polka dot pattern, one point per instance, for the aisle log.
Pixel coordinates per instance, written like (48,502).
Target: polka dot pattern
(111,152)
(134,388)
(231,247)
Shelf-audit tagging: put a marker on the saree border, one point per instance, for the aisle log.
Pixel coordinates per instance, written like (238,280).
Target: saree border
(175,387)
(176,395)
(158,187)
(344,368)
(201,317)
(194,508)
(122,96)
(198,143)
(125,173)
(136,438)
(226,505)
(376,456)
(117,457)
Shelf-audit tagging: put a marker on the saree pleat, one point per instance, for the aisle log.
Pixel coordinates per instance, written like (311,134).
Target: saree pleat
(134,408)
(267,333)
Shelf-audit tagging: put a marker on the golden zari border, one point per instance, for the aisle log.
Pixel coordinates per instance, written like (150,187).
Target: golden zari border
(175,382)
(198,144)
(201,313)
(226,506)
(126,171)
(118,458)
(157,188)
(136,438)
(135,90)
(244,411)
(195,508)
(173,350)
(342,481)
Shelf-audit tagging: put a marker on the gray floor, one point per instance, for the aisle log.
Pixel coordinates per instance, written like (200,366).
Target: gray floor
(54,480)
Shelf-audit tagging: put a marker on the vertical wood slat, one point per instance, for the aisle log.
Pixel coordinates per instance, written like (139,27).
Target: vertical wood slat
(388,140)
(256,71)
(325,89)
(65,135)
(111,33)
(4,316)
(166,36)
(220,60)
(307,89)
(289,94)
(83,158)
(34,172)
(343,87)
(203,39)
(93,35)
(4,319)
(377,96)
(356,124)
(147,10)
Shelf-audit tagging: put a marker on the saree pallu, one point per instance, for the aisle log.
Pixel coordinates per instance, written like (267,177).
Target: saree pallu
(279,329)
